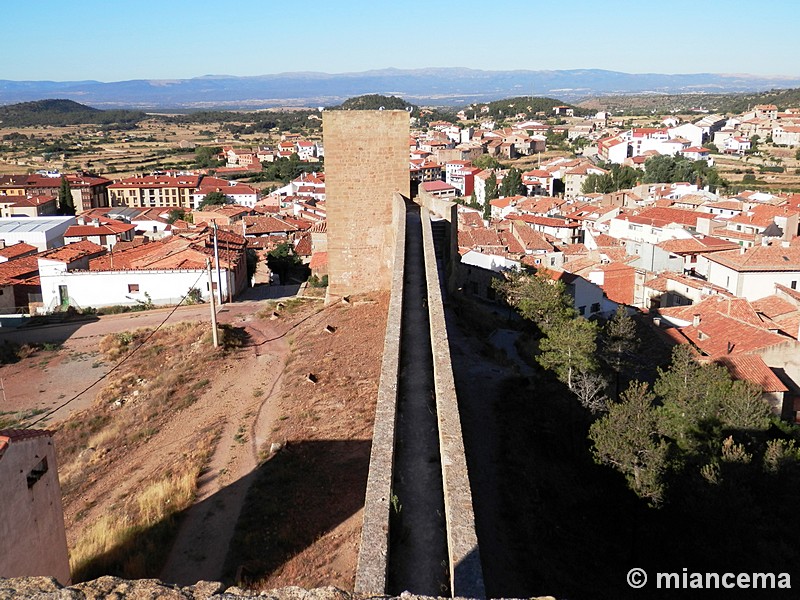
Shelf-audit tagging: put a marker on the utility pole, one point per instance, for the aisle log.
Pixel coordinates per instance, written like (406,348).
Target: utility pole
(213,305)
(216,260)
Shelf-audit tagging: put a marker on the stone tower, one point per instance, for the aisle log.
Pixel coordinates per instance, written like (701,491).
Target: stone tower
(366,163)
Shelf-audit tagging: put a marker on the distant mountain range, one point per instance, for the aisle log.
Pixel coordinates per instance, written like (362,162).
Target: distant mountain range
(435,86)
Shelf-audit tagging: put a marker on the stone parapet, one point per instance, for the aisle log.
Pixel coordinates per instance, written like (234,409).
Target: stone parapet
(466,574)
(373,557)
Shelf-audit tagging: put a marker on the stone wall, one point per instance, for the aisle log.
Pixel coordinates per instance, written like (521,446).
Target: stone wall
(31,517)
(373,557)
(466,574)
(448,211)
(366,162)
(42,588)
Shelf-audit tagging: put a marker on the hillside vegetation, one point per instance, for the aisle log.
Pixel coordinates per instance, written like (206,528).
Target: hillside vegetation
(530,105)
(63,112)
(682,103)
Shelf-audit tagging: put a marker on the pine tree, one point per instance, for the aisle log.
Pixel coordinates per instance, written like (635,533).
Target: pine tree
(619,343)
(628,439)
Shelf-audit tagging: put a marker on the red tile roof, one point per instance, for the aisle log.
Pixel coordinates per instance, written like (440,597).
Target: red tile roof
(109,228)
(74,251)
(774,306)
(17,250)
(661,217)
(753,369)
(697,244)
(164,181)
(760,258)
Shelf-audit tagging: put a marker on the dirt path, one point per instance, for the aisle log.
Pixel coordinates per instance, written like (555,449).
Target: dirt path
(248,393)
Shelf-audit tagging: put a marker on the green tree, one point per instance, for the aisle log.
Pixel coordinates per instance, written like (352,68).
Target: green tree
(512,183)
(537,298)
(569,347)
(619,343)
(66,204)
(206,157)
(487,210)
(486,161)
(214,199)
(176,214)
(490,193)
(598,183)
(624,177)
(700,402)
(628,439)
(490,187)
(282,260)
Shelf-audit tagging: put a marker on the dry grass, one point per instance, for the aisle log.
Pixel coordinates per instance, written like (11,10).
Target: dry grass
(133,541)
(147,392)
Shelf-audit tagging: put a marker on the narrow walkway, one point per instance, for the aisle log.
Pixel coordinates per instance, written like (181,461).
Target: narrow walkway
(418,541)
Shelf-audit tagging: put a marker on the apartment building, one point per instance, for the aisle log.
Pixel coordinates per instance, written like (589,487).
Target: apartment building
(151,191)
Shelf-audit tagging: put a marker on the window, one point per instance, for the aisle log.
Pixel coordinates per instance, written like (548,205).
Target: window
(37,472)
(596,307)
(793,284)
(133,288)
(581,310)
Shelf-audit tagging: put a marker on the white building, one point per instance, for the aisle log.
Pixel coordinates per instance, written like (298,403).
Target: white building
(752,273)
(43,232)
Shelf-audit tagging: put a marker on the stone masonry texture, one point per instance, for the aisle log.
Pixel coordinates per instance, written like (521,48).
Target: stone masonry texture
(366,161)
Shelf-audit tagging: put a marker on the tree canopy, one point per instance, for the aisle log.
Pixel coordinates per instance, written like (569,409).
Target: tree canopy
(214,198)
(619,177)
(694,415)
(512,183)
(670,169)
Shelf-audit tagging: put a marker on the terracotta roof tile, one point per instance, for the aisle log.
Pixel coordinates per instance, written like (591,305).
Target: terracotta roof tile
(753,369)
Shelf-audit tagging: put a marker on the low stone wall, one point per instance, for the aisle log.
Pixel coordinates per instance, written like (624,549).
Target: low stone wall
(466,574)
(373,556)
(447,210)
(47,588)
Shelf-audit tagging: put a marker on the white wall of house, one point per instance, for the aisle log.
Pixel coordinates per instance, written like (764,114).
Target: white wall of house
(688,131)
(492,262)
(31,517)
(111,288)
(750,285)
(587,295)
(639,232)
(150,226)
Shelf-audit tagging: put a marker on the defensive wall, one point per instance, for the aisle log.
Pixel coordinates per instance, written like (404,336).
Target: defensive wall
(373,565)
(466,575)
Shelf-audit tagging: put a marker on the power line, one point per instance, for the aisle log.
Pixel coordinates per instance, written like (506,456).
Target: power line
(121,361)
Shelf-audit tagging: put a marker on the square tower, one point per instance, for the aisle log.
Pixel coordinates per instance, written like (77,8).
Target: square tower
(366,163)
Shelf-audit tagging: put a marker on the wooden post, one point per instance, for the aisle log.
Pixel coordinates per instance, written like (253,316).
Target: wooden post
(213,305)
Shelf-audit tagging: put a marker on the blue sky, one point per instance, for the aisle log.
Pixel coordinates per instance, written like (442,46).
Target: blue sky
(113,40)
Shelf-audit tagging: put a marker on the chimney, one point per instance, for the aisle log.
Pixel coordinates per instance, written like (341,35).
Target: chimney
(696,320)
(742,250)
(96,222)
